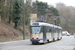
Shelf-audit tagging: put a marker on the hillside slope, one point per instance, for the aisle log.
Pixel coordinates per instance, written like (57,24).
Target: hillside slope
(8,33)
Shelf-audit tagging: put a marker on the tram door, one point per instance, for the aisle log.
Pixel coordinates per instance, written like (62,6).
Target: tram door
(44,33)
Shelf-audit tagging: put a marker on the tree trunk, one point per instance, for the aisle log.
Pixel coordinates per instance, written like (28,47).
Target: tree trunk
(16,25)
(9,19)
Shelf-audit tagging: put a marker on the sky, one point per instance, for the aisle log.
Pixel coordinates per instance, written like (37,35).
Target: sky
(66,2)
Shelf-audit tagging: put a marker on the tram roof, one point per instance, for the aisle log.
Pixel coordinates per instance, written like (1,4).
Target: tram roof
(45,24)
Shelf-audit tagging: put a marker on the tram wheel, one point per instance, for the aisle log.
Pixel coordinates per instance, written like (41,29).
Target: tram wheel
(58,39)
(48,41)
(53,40)
(33,43)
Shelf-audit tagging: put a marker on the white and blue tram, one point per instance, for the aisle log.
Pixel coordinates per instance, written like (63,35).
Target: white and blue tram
(41,32)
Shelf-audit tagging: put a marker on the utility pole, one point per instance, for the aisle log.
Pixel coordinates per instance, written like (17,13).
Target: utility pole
(55,21)
(46,15)
(23,21)
(69,25)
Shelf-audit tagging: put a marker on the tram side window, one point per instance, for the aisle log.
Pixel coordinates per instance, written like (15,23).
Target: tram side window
(54,30)
(49,29)
(60,31)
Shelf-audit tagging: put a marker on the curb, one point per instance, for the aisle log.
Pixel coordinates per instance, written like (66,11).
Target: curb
(3,43)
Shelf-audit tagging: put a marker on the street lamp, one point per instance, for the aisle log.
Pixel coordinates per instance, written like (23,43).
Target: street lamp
(55,21)
(69,25)
(23,21)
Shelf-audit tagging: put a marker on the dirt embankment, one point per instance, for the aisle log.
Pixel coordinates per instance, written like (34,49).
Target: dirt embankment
(8,33)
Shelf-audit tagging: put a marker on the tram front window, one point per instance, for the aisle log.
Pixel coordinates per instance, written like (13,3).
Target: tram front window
(35,30)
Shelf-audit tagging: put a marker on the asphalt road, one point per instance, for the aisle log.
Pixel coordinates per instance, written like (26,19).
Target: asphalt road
(66,43)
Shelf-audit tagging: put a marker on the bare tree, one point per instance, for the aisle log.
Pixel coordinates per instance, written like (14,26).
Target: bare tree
(66,13)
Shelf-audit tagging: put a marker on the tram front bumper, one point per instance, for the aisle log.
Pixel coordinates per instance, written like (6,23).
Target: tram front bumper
(37,40)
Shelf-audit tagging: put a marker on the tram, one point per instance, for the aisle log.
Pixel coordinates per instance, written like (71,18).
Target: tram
(41,32)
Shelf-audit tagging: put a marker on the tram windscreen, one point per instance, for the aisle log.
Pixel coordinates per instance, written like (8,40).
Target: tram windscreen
(35,30)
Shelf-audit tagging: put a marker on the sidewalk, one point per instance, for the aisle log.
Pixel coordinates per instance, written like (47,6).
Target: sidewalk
(4,43)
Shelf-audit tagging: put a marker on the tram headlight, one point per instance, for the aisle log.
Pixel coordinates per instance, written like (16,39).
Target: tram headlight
(37,38)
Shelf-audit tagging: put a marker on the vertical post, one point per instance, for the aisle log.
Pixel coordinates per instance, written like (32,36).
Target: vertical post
(46,16)
(23,21)
(69,25)
(10,12)
(42,18)
(55,21)
(61,23)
